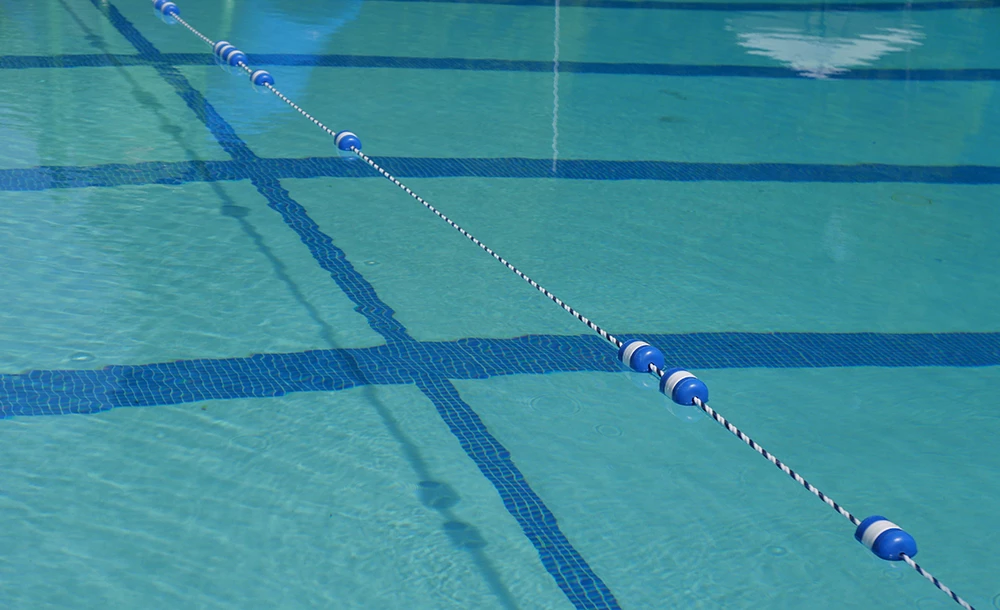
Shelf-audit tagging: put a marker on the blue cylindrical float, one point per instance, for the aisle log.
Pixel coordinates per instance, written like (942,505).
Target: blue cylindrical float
(345,140)
(683,387)
(638,355)
(234,57)
(261,78)
(169,8)
(885,539)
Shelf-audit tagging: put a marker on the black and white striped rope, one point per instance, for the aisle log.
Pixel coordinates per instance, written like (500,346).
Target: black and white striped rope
(654,369)
(715,415)
(178,19)
(770,457)
(937,583)
(579,316)
(270,87)
(725,423)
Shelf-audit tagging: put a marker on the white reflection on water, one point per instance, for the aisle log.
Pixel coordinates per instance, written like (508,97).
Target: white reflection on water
(824,44)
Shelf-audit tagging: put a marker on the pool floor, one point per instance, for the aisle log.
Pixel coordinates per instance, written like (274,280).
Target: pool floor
(239,369)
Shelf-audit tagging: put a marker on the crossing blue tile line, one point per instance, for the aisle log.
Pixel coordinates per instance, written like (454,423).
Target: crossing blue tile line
(180,172)
(567,566)
(853,7)
(15,62)
(572,574)
(62,392)
(224,134)
(380,317)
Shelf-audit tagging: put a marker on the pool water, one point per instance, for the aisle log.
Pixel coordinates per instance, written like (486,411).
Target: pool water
(240,370)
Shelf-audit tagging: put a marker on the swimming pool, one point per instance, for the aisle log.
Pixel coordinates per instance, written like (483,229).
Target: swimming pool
(350,406)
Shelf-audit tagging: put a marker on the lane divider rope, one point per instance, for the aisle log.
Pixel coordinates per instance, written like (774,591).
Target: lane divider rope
(882,537)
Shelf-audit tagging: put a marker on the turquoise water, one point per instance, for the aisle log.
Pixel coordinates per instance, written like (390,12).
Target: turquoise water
(315,499)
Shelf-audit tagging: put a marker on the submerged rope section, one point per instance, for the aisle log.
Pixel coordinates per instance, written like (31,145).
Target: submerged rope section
(671,381)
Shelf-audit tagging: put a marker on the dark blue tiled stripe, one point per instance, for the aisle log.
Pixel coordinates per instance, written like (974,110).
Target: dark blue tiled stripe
(561,560)
(176,172)
(820,350)
(571,572)
(587,67)
(120,174)
(116,174)
(224,134)
(740,6)
(23,62)
(333,260)
(920,74)
(585,169)
(59,392)
(501,65)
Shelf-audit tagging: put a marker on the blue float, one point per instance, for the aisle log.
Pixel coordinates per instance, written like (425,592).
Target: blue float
(235,57)
(885,539)
(169,8)
(345,140)
(638,355)
(683,387)
(228,53)
(158,3)
(261,78)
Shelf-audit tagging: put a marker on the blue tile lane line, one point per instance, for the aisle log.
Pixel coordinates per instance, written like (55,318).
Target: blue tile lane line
(567,567)
(740,6)
(332,259)
(15,62)
(180,172)
(560,559)
(588,67)
(62,392)
(25,62)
